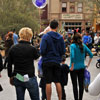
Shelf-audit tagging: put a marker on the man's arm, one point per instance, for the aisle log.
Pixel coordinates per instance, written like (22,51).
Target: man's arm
(43,46)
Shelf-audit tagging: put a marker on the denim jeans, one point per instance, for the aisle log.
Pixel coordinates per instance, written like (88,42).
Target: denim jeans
(31,86)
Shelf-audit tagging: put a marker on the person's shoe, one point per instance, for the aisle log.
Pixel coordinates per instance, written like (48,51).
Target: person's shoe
(4,67)
(44,99)
(63,98)
(1,89)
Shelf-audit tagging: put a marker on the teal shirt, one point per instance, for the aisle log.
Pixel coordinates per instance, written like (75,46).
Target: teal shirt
(77,57)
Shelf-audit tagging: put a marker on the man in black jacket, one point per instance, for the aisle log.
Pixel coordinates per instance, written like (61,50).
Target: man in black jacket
(22,56)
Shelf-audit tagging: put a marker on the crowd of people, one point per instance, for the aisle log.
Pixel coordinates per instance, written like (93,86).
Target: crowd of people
(21,53)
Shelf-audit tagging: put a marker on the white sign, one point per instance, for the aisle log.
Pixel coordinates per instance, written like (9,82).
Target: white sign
(72,16)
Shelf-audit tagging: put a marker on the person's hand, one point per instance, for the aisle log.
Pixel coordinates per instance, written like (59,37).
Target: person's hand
(39,74)
(72,67)
(86,43)
(11,80)
(87,66)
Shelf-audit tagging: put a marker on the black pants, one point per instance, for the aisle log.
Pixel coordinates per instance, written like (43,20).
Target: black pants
(63,93)
(43,90)
(77,75)
(6,62)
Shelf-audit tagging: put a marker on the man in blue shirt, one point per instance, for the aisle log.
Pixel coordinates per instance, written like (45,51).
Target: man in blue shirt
(87,40)
(52,47)
(15,37)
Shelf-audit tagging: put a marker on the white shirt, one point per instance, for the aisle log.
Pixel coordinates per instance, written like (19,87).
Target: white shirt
(96,39)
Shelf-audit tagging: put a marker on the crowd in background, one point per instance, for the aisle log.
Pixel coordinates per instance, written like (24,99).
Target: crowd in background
(22,50)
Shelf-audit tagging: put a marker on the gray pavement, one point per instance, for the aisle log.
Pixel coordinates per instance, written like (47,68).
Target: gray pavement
(9,91)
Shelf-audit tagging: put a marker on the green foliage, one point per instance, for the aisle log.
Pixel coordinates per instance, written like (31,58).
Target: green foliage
(17,14)
(2,45)
(94,2)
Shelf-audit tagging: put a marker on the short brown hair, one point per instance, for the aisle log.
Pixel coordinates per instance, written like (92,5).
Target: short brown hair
(25,33)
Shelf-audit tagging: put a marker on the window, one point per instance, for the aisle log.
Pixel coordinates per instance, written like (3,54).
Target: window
(64,7)
(80,7)
(72,7)
(88,23)
(73,24)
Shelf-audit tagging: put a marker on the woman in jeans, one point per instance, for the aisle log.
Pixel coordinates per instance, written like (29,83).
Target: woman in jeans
(22,55)
(77,66)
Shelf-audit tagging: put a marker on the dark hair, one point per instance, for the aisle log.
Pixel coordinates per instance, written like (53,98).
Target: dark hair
(14,30)
(77,39)
(53,24)
(87,31)
(10,35)
(63,58)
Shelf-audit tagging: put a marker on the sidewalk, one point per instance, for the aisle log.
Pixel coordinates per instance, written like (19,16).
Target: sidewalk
(9,91)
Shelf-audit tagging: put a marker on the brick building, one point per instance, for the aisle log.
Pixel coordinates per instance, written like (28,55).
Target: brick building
(71,14)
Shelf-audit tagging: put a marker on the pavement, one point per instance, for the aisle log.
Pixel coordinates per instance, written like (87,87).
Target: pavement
(8,92)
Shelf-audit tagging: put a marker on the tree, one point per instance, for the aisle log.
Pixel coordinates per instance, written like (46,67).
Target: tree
(17,14)
(94,6)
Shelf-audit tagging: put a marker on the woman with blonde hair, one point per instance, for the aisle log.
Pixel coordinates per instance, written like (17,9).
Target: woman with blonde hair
(22,55)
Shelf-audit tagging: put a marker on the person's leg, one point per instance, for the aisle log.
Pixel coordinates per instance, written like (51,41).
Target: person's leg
(20,89)
(48,77)
(48,91)
(63,93)
(20,92)
(57,79)
(5,63)
(32,87)
(81,83)
(74,83)
(43,93)
(59,90)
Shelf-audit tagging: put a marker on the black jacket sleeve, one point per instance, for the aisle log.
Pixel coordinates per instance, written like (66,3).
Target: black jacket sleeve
(36,53)
(1,63)
(10,62)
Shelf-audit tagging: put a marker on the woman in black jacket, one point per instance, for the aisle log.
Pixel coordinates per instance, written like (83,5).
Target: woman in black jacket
(1,64)
(1,67)
(8,44)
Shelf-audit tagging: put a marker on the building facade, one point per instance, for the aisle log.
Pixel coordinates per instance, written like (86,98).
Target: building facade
(71,14)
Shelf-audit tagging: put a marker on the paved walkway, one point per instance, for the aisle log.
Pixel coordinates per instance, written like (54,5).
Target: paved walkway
(9,91)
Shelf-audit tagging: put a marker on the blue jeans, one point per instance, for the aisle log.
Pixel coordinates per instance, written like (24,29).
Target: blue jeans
(31,86)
